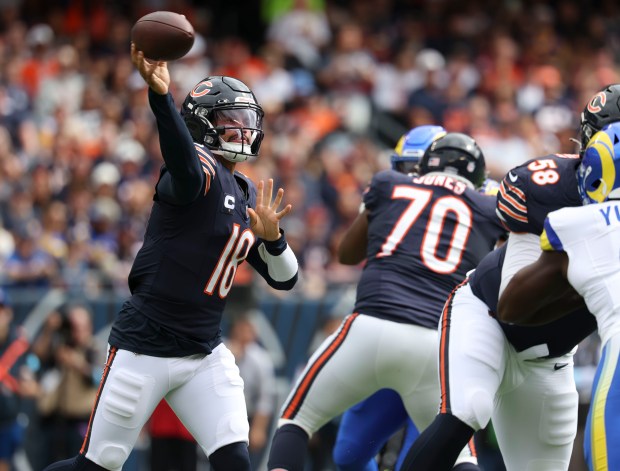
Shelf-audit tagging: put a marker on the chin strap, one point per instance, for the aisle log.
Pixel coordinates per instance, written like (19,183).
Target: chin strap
(231,156)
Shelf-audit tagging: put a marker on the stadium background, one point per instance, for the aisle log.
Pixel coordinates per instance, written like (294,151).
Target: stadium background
(340,81)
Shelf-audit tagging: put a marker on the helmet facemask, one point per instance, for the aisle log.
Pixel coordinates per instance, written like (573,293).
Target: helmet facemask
(598,174)
(233,131)
(602,110)
(222,114)
(586,132)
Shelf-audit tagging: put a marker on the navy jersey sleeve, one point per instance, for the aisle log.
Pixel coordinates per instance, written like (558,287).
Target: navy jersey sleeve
(530,191)
(512,201)
(182,178)
(378,190)
(275,248)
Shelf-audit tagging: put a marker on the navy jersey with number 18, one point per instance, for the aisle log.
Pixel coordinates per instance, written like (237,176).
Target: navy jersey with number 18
(425,233)
(189,272)
(186,266)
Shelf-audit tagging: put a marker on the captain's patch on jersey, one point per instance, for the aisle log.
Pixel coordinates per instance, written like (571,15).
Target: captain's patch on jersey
(229,203)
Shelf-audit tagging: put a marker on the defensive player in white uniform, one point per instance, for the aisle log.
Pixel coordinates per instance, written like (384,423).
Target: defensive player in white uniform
(582,245)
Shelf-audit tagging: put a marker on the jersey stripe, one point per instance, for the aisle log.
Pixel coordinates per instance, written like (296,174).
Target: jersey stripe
(599,417)
(514,196)
(104,377)
(444,341)
(549,240)
(511,204)
(471,444)
(8,359)
(206,155)
(208,181)
(312,371)
(507,211)
(207,166)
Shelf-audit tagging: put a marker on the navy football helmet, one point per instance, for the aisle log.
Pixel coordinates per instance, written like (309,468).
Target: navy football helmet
(411,147)
(224,106)
(602,109)
(455,153)
(598,175)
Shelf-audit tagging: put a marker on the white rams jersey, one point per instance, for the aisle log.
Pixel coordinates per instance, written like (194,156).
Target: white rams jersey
(590,235)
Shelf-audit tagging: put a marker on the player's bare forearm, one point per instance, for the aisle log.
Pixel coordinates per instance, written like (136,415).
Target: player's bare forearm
(352,249)
(539,293)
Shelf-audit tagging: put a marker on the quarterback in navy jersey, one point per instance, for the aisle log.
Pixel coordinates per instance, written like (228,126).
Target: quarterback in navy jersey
(419,236)
(206,219)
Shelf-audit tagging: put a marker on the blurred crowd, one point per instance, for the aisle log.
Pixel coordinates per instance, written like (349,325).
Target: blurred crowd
(340,82)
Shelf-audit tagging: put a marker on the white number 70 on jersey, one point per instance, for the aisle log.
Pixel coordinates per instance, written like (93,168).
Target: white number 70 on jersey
(420,199)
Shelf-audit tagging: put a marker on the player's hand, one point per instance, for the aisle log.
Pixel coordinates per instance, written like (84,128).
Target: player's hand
(154,73)
(265,219)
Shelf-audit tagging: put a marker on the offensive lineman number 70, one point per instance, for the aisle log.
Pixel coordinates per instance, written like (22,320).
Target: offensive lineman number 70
(420,199)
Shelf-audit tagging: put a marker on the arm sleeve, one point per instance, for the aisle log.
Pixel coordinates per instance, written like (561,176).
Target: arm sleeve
(374,193)
(549,240)
(512,203)
(522,250)
(183,179)
(276,262)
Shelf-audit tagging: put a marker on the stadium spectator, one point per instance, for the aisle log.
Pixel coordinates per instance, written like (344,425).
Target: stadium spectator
(16,383)
(29,266)
(172,447)
(73,366)
(259,383)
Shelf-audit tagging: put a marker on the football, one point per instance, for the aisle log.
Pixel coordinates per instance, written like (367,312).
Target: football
(163,35)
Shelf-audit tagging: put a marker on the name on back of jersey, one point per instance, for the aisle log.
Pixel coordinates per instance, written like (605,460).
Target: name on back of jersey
(456,186)
(611,214)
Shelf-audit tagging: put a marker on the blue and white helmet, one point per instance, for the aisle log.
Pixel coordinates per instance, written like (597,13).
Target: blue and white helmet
(598,175)
(411,146)
(489,187)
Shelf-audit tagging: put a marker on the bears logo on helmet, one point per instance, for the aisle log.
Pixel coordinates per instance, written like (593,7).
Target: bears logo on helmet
(602,109)
(218,106)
